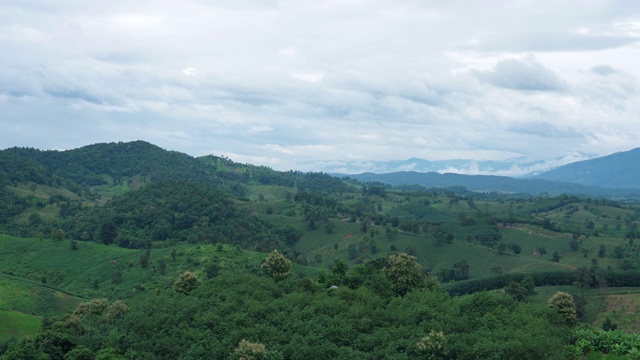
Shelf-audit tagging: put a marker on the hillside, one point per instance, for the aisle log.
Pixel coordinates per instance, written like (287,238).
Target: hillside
(127,228)
(616,171)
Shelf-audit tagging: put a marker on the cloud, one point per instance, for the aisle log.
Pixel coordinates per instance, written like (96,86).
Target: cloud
(603,70)
(540,41)
(298,85)
(526,75)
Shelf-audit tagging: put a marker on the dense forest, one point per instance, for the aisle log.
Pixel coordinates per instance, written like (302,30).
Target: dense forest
(126,250)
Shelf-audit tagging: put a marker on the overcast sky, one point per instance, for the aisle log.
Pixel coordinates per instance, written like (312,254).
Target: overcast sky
(294,84)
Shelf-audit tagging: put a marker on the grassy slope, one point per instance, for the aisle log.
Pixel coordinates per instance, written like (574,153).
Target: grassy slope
(89,270)
(621,305)
(15,324)
(93,264)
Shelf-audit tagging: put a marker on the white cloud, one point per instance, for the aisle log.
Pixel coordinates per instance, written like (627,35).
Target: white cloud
(286,82)
(526,74)
(190,71)
(310,77)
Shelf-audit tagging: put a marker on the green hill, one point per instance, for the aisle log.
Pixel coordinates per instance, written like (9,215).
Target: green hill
(126,221)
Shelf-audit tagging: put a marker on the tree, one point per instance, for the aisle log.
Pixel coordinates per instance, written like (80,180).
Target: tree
(329,227)
(35,219)
(276,266)
(162,265)
(516,249)
(574,244)
(107,233)
(116,277)
(80,353)
(529,286)
(563,303)
(520,291)
(555,257)
(352,252)
(463,268)
(25,349)
(433,346)
(404,272)
(247,350)
(501,248)
(186,283)
(57,234)
(581,305)
(618,252)
(602,252)
(144,259)
(515,290)
(583,278)
(608,325)
(212,269)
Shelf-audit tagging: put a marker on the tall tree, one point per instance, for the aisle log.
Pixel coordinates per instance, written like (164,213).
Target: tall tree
(186,283)
(563,303)
(404,272)
(107,232)
(276,266)
(583,278)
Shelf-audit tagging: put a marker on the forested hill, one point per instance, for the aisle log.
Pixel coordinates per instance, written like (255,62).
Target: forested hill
(174,211)
(132,164)
(101,164)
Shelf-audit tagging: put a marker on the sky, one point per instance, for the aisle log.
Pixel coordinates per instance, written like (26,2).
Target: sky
(303,84)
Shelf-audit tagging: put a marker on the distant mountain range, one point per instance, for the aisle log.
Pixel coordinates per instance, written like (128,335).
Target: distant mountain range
(616,175)
(515,167)
(612,176)
(616,171)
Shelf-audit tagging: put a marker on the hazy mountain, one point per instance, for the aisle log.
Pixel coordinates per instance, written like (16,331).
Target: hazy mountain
(493,183)
(511,167)
(617,171)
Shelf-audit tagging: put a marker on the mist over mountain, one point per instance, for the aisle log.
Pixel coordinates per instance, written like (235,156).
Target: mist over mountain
(609,176)
(617,171)
(516,167)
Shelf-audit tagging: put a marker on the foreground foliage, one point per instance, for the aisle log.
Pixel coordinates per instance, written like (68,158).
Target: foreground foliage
(588,340)
(298,319)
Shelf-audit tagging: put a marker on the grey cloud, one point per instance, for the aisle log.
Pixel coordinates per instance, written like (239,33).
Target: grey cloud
(386,78)
(604,70)
(71,93)
(520,75)
(120,57)
(552,41)
(543,129)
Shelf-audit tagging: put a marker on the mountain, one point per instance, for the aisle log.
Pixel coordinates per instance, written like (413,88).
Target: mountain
(461,166)
(493,183)
(616,171)
(102,164)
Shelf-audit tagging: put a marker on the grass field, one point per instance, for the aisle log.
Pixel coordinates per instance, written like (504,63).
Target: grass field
(24,302)
(483,261)
(622,309)
(14,324)
(620,305)
(34,298)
